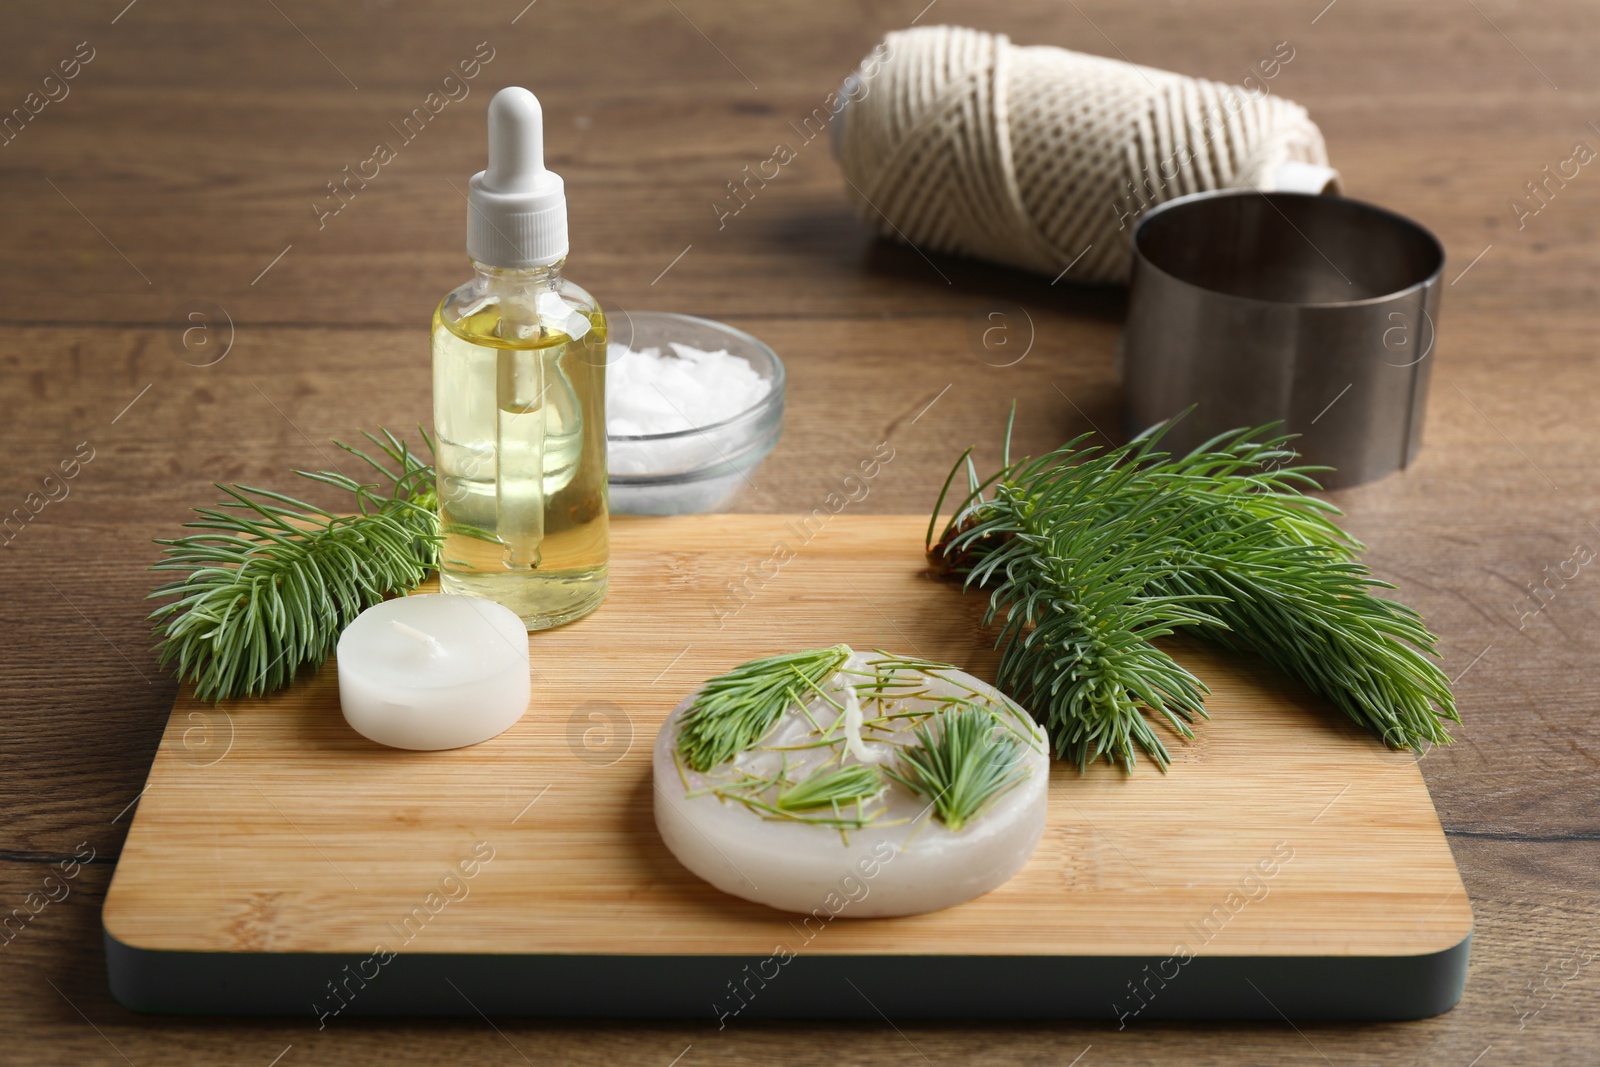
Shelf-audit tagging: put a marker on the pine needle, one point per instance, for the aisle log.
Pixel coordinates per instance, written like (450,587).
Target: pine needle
(733,712)
(272,581)
(842,785)
(962,764)
(1090,555)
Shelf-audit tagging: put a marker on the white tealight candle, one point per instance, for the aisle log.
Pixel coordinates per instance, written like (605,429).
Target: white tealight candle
(434,671)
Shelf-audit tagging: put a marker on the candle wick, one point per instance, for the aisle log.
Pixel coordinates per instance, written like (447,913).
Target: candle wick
(427,640)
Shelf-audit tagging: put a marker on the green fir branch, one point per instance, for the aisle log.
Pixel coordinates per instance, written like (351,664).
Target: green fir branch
(271,581)
(1091,554)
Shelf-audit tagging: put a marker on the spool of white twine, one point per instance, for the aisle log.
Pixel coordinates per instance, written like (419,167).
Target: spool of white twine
(958,141)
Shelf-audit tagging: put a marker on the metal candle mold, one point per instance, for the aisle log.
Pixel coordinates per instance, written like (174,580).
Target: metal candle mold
(1315,311)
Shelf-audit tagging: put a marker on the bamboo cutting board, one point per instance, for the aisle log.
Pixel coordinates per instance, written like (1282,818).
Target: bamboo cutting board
(279,862)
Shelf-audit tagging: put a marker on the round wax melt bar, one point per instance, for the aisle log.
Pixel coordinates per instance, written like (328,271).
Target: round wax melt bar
(904,860)
(434,671)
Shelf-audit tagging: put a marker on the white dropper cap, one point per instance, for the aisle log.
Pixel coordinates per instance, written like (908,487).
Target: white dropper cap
(517,210)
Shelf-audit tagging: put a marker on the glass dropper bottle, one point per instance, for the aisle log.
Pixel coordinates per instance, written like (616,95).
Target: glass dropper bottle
(519,355)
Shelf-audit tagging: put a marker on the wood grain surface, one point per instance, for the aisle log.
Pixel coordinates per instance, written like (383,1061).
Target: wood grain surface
(269,825)
(178,178)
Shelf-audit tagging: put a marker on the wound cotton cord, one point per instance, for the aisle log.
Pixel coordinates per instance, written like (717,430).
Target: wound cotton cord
(959,141)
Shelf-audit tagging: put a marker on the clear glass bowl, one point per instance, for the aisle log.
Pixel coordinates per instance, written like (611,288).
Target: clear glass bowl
(694,470)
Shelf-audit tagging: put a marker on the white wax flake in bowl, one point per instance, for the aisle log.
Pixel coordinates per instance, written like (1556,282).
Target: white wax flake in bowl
(686,425)
(648,392)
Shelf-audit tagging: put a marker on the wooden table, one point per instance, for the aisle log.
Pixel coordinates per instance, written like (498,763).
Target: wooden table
(163,215)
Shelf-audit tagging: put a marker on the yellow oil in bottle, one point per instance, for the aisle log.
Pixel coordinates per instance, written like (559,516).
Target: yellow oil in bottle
(519,408)
(519,393)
